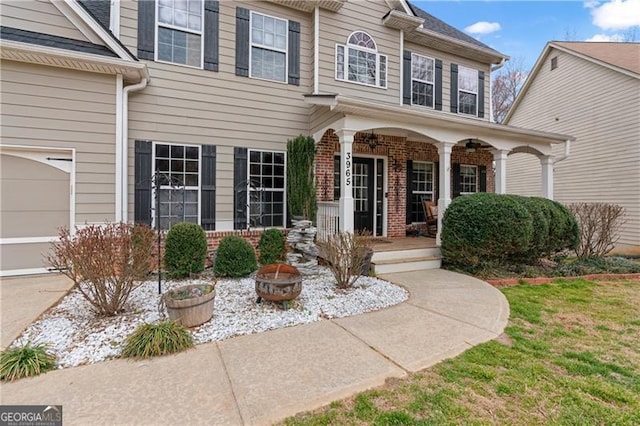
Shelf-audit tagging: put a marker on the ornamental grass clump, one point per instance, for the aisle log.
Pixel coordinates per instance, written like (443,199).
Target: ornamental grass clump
(105,262)
(25,361)
(163,338)
(185,250)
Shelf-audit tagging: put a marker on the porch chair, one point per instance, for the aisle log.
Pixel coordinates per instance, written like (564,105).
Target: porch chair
(431,215)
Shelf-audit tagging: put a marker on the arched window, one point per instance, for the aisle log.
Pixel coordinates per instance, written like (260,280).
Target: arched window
(359,61)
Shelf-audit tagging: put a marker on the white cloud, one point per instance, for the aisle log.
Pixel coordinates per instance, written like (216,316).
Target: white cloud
(615,14)
(590,4)
(606,37)
(483,27)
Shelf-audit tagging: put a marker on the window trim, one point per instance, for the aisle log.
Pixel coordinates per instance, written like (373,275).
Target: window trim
(345,66)
(477,177)
(177,28)
(154,192)
(274,49)
(284,189)
(460,68)
(433,83)
(433,182)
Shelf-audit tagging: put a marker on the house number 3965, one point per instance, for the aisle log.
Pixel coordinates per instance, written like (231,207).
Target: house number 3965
(347,172)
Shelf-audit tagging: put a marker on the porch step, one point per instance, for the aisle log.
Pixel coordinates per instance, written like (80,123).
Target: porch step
(407,265)
(403,255)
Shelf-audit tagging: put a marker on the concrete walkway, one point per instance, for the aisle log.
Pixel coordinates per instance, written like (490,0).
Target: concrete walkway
(263,378)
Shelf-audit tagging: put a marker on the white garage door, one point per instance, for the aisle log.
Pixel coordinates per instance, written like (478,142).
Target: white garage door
(34,204)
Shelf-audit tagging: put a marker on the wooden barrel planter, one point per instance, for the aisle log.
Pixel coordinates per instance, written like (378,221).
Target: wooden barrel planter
(190,305)
(278,282)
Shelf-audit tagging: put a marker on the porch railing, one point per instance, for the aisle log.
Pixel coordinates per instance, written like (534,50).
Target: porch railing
(328,219)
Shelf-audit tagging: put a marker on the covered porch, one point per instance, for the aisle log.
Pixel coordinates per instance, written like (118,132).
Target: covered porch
(374,162)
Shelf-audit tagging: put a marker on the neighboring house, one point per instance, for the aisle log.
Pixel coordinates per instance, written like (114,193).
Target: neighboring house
(97,96)
(591,91)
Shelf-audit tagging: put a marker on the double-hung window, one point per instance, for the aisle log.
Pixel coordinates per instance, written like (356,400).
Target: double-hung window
(268,47)
(359,61)
(179,31)
(467,91)
(422,80)
(421,188)
(266,188)
(178,168)
(468,179)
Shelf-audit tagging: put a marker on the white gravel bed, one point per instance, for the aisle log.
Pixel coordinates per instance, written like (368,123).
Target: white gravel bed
(77,336)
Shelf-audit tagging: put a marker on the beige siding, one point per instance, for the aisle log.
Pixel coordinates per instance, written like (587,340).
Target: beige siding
(52,107)
(601,108)
(336,28)
(39,16)
(447,60)
(192,106)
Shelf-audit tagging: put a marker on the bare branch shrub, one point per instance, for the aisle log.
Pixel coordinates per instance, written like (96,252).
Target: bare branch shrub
(600,226)
(104,262)
(346,255)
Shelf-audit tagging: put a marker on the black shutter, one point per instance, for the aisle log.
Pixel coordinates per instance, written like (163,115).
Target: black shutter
(409,192)
(436,182)
(242,41)
(240,188)
(294,53)
(438,87)
(146,29)
(406,78)
(143,173)
(481,94)
(454,88)
(456,180)
(208,188)
(482,178)
(211,30)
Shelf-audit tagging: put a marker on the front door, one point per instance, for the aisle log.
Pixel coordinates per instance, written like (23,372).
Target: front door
(363,194)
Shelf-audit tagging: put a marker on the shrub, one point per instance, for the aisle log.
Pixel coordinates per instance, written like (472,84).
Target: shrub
(346,255)
(235,257)
(185,250)
(271,246)
(301,187)
(600,226)
(540,227)
(485,227)
(150,340)
(564,233)
(104,262)
(597,265)
(25,361)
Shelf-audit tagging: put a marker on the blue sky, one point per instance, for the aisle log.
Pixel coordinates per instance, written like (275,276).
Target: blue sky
(522,28)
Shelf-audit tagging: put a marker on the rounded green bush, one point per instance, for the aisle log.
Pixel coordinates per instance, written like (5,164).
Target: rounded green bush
(485,227)
(564,233)
(185,250)
(235,258)
(271,246)
(540,227)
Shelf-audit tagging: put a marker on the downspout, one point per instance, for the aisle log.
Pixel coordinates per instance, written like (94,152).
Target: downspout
(492,69)
(401,66)
(124,143)
(567,149)
(316,53)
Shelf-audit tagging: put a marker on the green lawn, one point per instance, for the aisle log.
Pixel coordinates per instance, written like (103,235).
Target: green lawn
(571,355)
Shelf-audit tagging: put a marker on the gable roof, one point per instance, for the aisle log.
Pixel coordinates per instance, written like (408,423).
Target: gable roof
(622,55)
(436,25)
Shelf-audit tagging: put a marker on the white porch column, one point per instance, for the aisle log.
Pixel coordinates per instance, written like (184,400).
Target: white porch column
(500,158)
(346,180)
(547,176)
(444,182)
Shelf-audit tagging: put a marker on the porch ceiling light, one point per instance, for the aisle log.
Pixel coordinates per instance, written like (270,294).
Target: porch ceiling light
(470,146)
(372,140)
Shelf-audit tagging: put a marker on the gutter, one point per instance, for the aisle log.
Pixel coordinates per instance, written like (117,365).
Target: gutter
(124,145)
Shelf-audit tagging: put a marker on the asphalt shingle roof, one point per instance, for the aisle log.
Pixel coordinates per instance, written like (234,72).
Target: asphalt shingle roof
(623,55)
(100,9)
(24,36)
